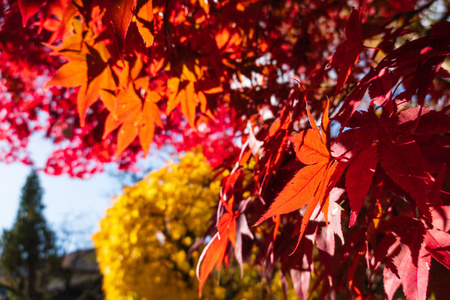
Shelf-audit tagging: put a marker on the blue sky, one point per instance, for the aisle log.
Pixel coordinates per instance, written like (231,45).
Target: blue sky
(73,206)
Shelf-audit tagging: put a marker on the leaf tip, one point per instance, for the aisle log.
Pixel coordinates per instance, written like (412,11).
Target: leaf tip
(262,219)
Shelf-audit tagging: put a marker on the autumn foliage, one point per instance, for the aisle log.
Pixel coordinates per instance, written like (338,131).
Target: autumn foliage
(150,240)
(327,118)
(143,246)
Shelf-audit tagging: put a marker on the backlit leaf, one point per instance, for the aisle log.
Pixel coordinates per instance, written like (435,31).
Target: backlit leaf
(404,163)
(438,245)
(358,180)
(309,147)
(173,100)
(120,13)
(391,282)
(413,272)
(28,8)
(127,133)
(72,74)
(89,93)
(214,253)
(189,103)
(312,184)
(150,118)
(111,123)
(144,19)
(298,192)
(347,54)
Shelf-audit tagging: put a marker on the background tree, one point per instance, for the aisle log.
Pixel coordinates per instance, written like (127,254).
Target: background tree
(249,80)
(28,249)
(75,274)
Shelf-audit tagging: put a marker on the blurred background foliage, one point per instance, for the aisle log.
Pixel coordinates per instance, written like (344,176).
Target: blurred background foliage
(150,240)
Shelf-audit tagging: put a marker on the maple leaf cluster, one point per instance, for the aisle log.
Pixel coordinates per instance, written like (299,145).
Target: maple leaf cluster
(331,120)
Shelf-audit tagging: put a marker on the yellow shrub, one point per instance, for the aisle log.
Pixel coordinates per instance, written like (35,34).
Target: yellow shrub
(143,246)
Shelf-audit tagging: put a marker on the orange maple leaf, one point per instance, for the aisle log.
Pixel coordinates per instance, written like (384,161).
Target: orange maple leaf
(135,119)
(215,252)
(183,92)
(311,184)
(189,90)
(87,69)
(144,19)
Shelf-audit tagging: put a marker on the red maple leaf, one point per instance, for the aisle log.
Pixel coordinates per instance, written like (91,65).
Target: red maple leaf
(437,244)
(359,178)
(408,250)
(119,14)
(28,8)
(401,158)
(347,53)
